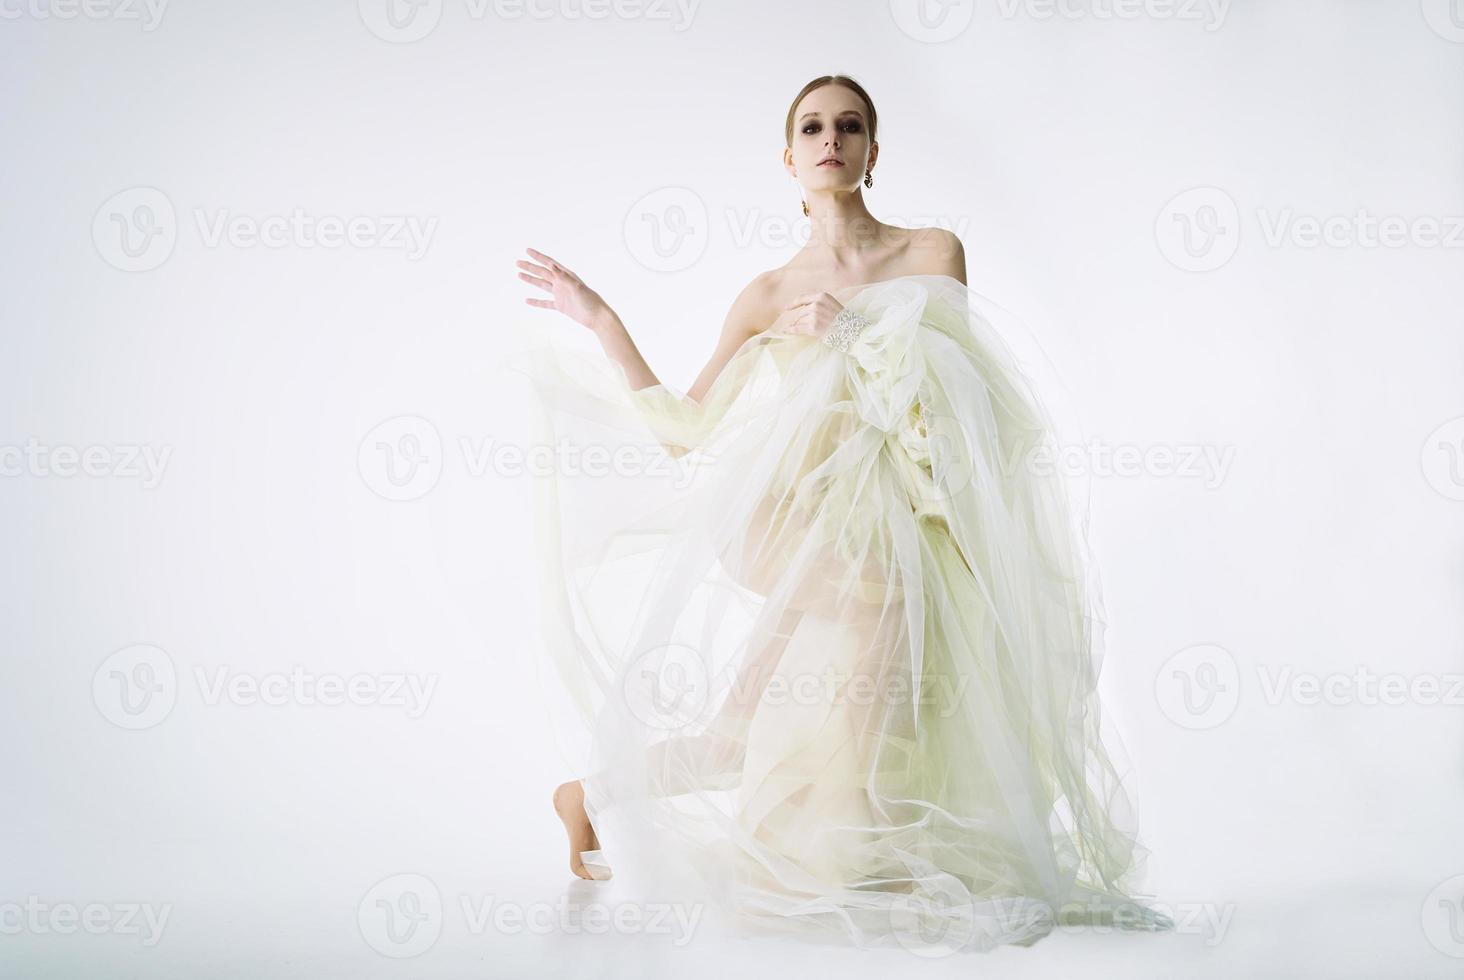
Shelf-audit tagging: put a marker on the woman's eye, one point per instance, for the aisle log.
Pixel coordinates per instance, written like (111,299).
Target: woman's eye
(849,127)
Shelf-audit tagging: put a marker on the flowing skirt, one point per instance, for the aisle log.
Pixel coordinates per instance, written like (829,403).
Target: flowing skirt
(827,642)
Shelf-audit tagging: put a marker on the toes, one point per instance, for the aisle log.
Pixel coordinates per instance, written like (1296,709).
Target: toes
(595,865)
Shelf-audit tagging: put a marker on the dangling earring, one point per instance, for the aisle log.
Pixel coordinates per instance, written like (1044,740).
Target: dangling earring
(805,209)
(868,179)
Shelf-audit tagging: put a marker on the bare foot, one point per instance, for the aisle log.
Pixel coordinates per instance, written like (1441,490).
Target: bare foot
(569,803)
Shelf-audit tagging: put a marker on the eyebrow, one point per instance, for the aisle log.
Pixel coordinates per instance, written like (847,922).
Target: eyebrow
(846,112)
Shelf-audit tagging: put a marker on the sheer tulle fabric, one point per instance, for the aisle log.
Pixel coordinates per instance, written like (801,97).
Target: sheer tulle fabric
(830,639)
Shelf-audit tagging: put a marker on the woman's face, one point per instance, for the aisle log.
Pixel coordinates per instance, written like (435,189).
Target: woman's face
(829,125)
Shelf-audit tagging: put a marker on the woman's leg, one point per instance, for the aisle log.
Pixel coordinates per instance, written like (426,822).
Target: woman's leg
(709,760)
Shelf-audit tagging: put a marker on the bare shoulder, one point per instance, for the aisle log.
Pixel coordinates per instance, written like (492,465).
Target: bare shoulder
(755,306)
(937,251)
(747,318)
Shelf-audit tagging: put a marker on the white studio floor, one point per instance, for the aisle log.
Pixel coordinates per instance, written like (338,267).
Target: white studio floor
(272,927)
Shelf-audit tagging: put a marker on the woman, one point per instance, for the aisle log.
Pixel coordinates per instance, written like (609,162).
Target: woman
(838,675)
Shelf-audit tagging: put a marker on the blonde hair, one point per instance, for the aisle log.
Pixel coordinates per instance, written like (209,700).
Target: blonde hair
(820,82)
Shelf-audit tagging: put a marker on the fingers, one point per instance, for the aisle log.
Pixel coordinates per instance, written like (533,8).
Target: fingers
(801,316)
(544,304)
(550,262)
(544,284)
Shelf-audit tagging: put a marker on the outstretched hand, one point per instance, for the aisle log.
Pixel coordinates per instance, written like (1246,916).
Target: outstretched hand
(570,295)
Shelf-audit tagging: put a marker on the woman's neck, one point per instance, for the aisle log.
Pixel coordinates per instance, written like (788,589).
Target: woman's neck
(844,232)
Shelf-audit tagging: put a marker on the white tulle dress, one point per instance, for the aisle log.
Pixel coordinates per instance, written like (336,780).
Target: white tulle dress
(827,642)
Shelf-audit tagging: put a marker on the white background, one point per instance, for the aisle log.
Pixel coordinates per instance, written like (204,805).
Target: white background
(642,148)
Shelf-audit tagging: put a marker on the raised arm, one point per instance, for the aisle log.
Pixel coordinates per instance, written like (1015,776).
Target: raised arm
(586,307)
(676,420)
(743,321)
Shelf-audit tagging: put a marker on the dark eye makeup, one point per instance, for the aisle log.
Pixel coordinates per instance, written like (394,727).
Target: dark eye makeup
(848,125)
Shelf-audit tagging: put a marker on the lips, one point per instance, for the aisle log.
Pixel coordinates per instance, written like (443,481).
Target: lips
(831,162)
